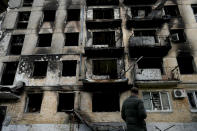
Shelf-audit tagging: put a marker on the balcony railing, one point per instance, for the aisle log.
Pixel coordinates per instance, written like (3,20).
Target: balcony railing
(154,14)
(103,14)
(101,77)
(149,41)
(170,74)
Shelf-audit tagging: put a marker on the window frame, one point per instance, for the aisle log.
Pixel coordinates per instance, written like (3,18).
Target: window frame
(63,93)
(67,36)
(67,61)
(167,9)
(195,15)
(48,19)
(162,110)
(108,74)
(13,44)
(96,34)
(185,56)
(69,18)
(19,21)
(27,102)
(35,75)
(195,96)
(101,13)
(40,38)
(4,69)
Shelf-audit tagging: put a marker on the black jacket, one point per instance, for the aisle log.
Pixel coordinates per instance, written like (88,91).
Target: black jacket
(134,113)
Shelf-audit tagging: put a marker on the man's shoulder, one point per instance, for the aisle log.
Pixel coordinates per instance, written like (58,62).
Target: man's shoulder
(131,98)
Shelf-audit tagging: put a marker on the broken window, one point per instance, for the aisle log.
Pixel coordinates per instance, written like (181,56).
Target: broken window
(16,44)
(40,69)
(178,35)
(151,63)
(23,19)
(194,7)
(140,12)
(101,2)
(69,68)
(105,102)
(44,40)
(72,39)
(172,11)
(104,38)
(33,102)
(103,13)
(156,101)
(4,5)
(73,14)
(9,73)
(186,63)
(2,115)
(27,3)
(105,67)
(49,15)
(139,2)
(192,96)
(66,102)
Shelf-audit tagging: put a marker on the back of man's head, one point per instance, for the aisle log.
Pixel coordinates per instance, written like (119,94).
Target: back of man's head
(134,90)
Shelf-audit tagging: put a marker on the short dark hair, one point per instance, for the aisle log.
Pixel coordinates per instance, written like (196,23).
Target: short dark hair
(134,90)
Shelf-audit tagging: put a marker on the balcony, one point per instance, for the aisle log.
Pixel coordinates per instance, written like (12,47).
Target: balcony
(156,77)
(101,18)
(104,72)
(104,44)
(144,16)
(139,2)
(149,46)
(8,95)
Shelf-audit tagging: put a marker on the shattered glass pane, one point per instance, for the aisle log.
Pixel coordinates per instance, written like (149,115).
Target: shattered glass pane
(147,100)
(165,101)
(192,100)
(156,101)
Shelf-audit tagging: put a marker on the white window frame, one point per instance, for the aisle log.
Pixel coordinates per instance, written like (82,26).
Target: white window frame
(195,99)
(162,110)
(194,6)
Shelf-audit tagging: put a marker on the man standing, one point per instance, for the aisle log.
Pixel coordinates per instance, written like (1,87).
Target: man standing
(133,112)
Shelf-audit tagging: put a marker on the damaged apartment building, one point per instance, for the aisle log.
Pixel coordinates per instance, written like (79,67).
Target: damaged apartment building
(70,64)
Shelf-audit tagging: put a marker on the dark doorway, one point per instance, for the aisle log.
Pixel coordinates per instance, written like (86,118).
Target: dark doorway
(66,102)
(106,102)
(186,63)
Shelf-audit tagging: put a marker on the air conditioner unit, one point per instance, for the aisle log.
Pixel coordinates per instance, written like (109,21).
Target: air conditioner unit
(175,37)
(179,93)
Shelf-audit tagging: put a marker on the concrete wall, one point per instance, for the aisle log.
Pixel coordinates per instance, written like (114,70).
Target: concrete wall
(121,127)
(180,116)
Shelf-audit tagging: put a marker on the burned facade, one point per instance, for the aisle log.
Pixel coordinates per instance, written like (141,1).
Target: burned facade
(69,64)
